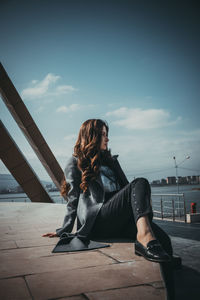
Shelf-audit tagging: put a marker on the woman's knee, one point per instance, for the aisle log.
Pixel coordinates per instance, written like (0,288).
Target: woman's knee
(140,181)
(143,180)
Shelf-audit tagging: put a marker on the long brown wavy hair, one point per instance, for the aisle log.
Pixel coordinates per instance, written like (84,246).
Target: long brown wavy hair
(88,152)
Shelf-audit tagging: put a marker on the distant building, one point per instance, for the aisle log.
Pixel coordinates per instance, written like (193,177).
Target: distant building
(182,180)
(163,181)
(171,180)
(188,179)
(155,182)
(195,179)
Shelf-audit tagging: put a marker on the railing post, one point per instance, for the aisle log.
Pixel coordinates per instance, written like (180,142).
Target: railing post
(161,207)
(179,207)
(173,212)
(185,217)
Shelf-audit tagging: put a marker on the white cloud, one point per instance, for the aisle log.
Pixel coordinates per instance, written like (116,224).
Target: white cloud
(70,137)
(63,89)
(34,81)
(136,118)
(39,89)
(45,87)
(67,109)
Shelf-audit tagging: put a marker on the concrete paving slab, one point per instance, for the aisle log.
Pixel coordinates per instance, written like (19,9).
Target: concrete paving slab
(17,265)
(130,293)
(14,289)
(29,228)
(20,235)
(46,275)
(65,283)
(35,242)
(5,228)
(26,253)
(7,245)
(147,271)
(122,252)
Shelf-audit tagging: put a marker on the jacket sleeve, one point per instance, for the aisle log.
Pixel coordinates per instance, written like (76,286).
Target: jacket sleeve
(73,178)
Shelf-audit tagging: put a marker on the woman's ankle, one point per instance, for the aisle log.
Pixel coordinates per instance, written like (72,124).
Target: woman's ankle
(145,238)
(144,231)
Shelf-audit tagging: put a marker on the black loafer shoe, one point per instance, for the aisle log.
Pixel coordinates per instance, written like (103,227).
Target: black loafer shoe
(153,251)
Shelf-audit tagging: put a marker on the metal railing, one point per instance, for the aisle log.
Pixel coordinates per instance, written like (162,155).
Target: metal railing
(165,206)
(169,206)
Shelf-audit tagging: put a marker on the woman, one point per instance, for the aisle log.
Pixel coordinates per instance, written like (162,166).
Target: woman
(105,204)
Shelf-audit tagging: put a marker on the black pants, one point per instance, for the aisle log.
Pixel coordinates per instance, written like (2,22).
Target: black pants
(118,216)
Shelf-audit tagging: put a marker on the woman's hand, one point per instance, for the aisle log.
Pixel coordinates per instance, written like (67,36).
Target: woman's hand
(50,234)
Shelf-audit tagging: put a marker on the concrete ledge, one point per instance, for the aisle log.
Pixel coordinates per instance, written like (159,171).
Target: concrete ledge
(28,269)
(193,218)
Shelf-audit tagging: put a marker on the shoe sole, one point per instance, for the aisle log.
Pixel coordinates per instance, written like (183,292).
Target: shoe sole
(151,259)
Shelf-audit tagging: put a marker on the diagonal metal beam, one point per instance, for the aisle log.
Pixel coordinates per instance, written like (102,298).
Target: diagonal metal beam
(24,120)
(18,166)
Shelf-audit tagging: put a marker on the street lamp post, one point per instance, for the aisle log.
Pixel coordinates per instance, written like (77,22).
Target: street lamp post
(177,180)
(176,167)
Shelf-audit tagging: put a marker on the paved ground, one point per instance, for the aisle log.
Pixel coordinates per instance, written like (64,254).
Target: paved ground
(28,269)
(186,243)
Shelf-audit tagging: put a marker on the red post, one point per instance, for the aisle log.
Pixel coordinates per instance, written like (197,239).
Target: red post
(193,208)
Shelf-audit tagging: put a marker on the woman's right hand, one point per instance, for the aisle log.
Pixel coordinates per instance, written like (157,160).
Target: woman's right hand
(50,234)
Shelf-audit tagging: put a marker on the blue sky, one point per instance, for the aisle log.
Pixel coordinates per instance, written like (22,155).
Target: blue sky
(132,63)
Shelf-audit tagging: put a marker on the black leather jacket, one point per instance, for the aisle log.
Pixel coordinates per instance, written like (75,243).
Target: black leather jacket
(85,206)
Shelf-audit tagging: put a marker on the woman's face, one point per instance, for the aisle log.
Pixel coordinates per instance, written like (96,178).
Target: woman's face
(104,139)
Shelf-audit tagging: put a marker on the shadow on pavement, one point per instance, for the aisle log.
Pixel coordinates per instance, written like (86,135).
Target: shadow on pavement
(187,284)
(186,244)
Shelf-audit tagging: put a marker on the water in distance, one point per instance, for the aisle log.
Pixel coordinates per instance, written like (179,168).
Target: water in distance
(191,194)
